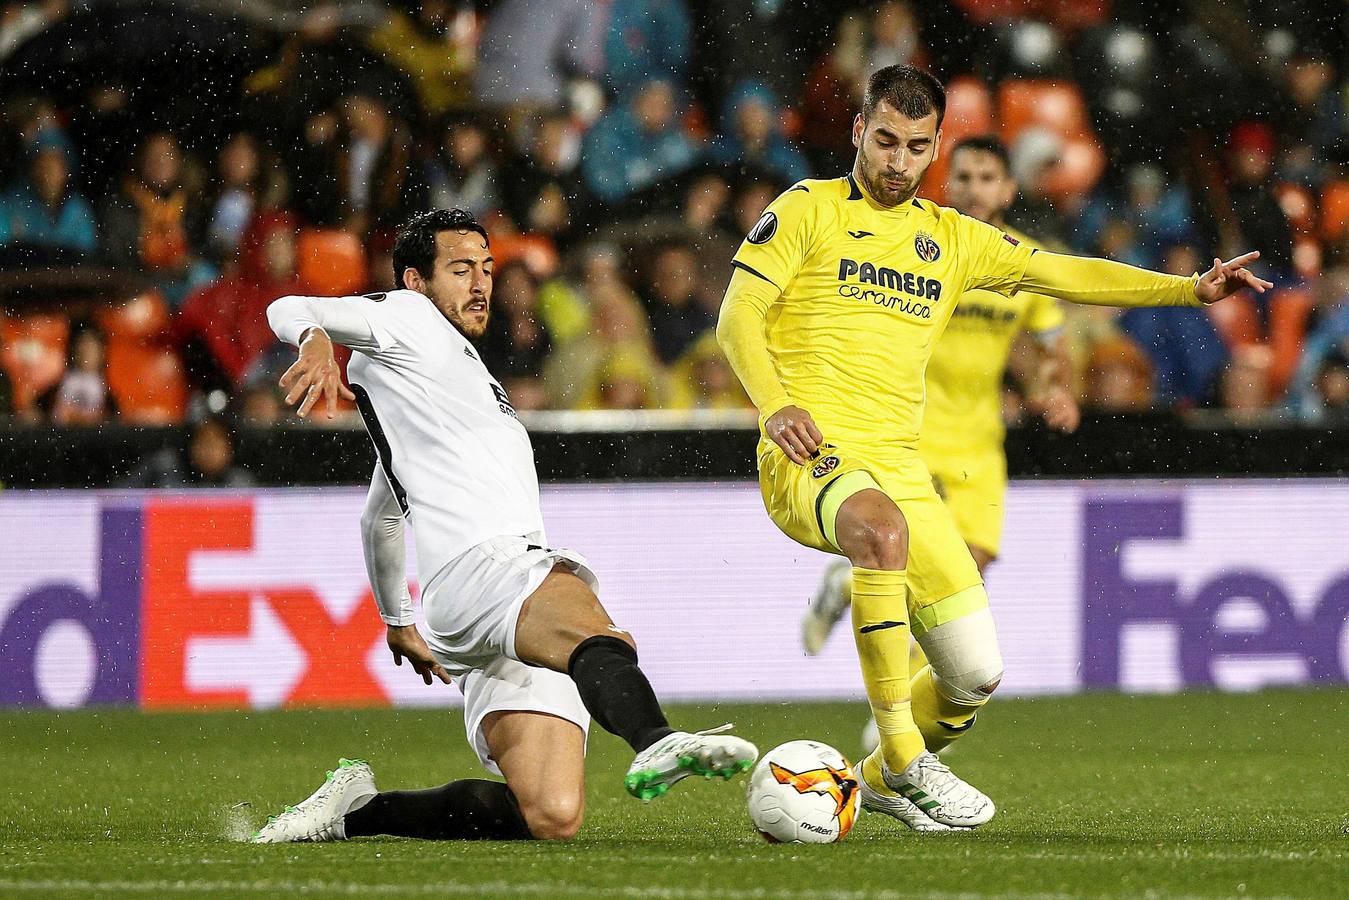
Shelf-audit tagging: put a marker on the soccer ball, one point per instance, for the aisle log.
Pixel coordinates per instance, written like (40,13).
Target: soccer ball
(803,792)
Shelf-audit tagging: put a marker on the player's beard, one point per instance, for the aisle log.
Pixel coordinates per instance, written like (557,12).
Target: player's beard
(472,331)
(880,190)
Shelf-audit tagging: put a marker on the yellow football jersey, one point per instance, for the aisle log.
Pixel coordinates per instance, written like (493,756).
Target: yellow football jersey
(964,376)
(866,292)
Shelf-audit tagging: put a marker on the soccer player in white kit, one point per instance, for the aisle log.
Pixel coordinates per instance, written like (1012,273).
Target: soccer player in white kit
(514,623)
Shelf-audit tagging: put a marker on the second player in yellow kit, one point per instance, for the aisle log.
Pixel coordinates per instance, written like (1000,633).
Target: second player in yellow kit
(839,294)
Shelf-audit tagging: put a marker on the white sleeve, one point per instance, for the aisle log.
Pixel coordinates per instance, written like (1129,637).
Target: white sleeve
(385,552)
(350,321)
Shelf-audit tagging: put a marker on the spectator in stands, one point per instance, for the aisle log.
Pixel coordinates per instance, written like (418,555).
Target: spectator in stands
(530,49)
(1325,344)
(645,40)
(517,342)
(1159,213)
(206,461)
(627,380)
(1186,351)
(82,397)
(1317,117)
(1332,386)
(833,95)
(618,327)
(1244,386)
(545,193)
(433,48)
(670,292)
(636,145)
(44,210)
(1257,213)
(463,173)
(1119,377)
(223,327)
(703,379)
(237,192)
(374,166)
(148,222)
(751,136)
(262,405)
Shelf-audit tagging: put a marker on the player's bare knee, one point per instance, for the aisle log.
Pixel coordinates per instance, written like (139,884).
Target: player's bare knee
(554,818)
(878,542)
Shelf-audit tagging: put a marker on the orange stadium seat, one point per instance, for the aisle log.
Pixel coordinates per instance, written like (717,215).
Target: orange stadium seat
(969,110)
(1055,105)
(1298,205)
(537,251)
(1080,166)
(141,318)
(147,382)
(34,354)
(1335,210)
(331,262)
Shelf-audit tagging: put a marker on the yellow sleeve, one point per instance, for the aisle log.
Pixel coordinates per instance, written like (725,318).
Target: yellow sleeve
(741,333)
(1100,282)
(776,246)
(996,261)
(1043,314)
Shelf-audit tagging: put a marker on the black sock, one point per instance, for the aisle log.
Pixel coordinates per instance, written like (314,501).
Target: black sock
(468,810)
(616,692)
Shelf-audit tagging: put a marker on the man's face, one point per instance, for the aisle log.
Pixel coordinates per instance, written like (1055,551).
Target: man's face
(893,152)
(460,281)
(979,185)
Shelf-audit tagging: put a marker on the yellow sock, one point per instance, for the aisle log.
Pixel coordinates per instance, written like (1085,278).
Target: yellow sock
(880,618)
(940,719)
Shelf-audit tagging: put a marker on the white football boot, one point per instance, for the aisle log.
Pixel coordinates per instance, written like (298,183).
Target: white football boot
(898,808)
(321,817)
(929,784)
(681,754)
(827,607)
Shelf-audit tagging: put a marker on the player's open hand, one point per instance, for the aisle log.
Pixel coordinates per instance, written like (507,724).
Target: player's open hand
(406,641)
(1058,408)
(1226,278)
(315,376)
(792,429)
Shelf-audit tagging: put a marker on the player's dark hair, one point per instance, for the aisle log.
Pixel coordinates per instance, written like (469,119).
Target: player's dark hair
(986,143)
(913,92)
(415,245)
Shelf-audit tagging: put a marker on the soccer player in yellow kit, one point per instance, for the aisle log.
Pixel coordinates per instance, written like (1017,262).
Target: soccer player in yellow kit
(837,297)
(962,433)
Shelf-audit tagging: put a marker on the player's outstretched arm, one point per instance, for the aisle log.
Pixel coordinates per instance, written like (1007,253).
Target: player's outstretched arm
(740,332)
(313,324)
(1101,282)
(385,560)
(314,376)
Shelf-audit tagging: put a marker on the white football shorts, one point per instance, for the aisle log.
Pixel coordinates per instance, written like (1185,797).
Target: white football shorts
(472,607)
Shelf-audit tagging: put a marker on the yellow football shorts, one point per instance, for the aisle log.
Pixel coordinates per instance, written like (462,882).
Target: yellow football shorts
(803,500)
(974,485)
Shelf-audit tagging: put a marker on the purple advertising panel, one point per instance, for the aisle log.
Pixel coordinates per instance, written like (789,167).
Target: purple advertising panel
(205,599)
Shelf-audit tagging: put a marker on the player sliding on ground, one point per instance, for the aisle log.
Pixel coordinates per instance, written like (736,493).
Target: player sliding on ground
(962,435)
(514,623)
(837,297)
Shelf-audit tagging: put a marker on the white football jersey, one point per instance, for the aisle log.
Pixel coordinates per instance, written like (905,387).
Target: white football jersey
(448,439)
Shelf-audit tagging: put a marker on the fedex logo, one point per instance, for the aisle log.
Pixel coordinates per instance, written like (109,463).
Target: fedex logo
(164,634)
(1241,611)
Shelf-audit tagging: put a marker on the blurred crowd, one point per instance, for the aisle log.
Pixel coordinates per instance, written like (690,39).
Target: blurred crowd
(159,193)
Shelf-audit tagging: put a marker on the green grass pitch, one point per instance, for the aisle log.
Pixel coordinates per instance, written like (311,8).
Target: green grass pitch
(1196,795)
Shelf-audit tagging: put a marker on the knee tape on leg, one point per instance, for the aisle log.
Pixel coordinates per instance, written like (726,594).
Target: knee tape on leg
(963,652)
